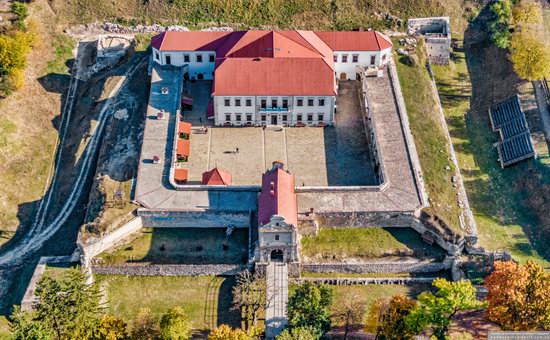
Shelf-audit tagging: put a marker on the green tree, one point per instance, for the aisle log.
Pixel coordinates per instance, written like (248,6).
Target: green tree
(175,325)
(145,326)
(21,12)
(500,25)
(392,319)
(529,55)
(298,333)
(111,328)
(437,311)
(23,326)
(309,306)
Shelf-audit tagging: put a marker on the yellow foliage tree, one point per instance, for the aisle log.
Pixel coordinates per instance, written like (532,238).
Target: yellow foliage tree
(530,56)
(224,332)
(16,79)
(527,12)
(519,296)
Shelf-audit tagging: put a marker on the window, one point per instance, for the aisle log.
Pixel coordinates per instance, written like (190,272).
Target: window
(237,102)
(384,57)
(227,102)
(372,59)
(336,58)
(310,117)
(344,58)
(299,118)
(157,56)
(238,117)
(276,237)
(168,60)
(300,102)
(228,117)
(285,118)
(249,102)
(285,103)
(263,103)
(355,58)
(273,102)
(186,58)
(211,58)
(320,117)
(249,117)
(263,118)
(199,58)
(310,102)
(321,101)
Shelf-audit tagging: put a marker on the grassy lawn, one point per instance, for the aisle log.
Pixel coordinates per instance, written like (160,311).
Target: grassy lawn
(182,245)
(62,46)
(365,243)
(206,299)
(429,139)
(494,194)
(57,271)
(4,328)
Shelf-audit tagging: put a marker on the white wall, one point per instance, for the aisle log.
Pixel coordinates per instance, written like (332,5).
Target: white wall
(363,60)
(206,68)
(292,115)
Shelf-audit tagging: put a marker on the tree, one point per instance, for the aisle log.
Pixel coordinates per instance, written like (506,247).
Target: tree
(437,311)
(21,12)
(500,26)
(309,307)
(349,313)
(145,326)
(175,325)
(23,325)
(374,316)
(392,319)
(529,56)
(519,296)
(111,328)
(298,333)
(224,332)
(527,12)
(249,295)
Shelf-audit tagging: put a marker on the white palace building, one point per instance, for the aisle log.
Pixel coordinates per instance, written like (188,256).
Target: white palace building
(272,77)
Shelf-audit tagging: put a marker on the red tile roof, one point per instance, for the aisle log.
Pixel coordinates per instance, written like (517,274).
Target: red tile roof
(277,197)
(355,41)
(183,147)
(270,76)
(184,127)
(216,177)
(188,41)
(180,175)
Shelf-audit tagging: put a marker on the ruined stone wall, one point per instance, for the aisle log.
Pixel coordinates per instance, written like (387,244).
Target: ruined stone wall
(379,267)
(171,270)
(364,219)
(366,280)
(193,219)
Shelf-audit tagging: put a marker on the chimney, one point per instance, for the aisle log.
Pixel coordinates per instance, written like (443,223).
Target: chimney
(277,165)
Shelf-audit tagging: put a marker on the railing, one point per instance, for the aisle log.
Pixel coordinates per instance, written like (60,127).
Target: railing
(274,109)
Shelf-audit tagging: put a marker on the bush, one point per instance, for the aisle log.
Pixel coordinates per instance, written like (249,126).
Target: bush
(175,325)
(145,326)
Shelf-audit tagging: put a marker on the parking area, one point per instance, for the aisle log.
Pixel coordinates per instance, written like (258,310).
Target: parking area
(332,156)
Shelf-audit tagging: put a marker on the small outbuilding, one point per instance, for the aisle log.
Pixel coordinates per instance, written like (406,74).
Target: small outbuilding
(216,177)
(180,176)
(184,130)
(182,151)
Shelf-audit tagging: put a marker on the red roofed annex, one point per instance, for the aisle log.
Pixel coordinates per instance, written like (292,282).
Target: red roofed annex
(272,77)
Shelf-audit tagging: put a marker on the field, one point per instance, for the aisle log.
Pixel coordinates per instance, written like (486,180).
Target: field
(182,245)
(207,300)
(365,243)
(429,138)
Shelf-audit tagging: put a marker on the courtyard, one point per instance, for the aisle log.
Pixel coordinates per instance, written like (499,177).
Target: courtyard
(332,156)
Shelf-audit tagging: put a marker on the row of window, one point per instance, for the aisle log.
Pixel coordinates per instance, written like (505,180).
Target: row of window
(299,117)
(275,102)
(354,58)
(187,58)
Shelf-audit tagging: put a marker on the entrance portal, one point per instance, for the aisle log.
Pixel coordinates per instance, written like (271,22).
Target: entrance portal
(274,119)
(200,76)
(277,255)
(343,76)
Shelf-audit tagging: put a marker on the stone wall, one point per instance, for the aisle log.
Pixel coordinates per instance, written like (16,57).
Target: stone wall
(379,267)
(364,219)
(366,280)
(193,219)
(171,270)
(452,246)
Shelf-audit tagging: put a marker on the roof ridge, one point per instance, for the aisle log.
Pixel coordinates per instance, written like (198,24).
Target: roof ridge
(297,31)
(377,42)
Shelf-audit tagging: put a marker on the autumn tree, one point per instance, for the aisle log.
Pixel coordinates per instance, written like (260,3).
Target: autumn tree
(348,313)
(249,295)
(374,316)
(111,328)
(527,12)
(392,323)
(224,332)
(437,311)
(529,56)
(298,333)
(144,326)
(175,325)
(519,296)
(309,306)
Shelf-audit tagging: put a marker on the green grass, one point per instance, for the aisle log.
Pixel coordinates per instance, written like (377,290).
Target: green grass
(365,243)
(4,328)
(429,139)
(182,245)
(57,271)
(63,46)
(206,299)
(496,201)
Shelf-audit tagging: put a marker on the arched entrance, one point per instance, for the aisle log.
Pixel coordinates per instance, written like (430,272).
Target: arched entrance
(200,76)
(186,76)
(277,255)
(343,76)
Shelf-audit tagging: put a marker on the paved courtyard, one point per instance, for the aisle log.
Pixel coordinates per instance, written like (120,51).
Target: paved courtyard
(330,156)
